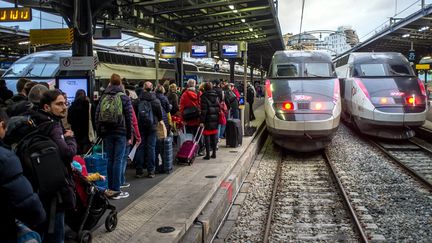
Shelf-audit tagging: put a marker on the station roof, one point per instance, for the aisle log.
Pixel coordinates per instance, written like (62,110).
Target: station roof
(10,39)
(254,21)
(398,36)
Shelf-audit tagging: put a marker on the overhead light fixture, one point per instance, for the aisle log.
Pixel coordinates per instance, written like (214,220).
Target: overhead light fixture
(250,29)
(405,35)
(243,20)
(24,43)
(145,35)
(216,57)
(423,28)
(256,36)
(235,11)
(231,6)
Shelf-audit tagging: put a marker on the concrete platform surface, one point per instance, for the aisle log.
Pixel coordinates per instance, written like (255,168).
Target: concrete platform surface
(178,199)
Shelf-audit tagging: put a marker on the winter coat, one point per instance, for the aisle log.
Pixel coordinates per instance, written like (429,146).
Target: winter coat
(165,108)
(5,93)
(174,101)
(156,107)
(250,94)
(78,118)
(18,97)
(124,129)
(67,145)
(210,110)
(188,99)
(136,131)
(18,200)
(231,100)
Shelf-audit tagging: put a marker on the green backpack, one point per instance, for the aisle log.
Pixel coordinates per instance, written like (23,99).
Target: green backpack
(111,109)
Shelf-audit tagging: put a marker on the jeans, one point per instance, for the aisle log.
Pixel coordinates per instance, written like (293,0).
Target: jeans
(59,234)
(221,131)
(124,164)
(146,151)
(235,113)
(115,150)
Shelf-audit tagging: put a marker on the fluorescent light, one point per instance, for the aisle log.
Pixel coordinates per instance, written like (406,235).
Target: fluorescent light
(231,6)
(243,20)
(423,28)
(24,43)
(235,11)
(216,57)
(256,36)
(145,35)
(405,35)
(250,29)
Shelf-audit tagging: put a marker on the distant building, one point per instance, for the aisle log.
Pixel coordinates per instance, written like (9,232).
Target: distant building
(301,41)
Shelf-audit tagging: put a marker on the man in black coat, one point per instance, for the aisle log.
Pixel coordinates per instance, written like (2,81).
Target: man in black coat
(18,200)
(250,95)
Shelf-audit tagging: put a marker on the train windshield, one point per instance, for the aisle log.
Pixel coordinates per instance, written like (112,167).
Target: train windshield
(381,70)
(36,65)
(315,69)
(287,70)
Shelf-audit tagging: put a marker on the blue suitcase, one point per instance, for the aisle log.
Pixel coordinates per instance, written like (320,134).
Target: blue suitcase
(165,149)
(98,162)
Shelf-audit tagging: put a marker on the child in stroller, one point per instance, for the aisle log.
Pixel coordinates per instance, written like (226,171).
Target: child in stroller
(91,205)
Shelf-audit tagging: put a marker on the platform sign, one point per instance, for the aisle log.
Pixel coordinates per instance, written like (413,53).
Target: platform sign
(51,36)
(411,56)
(77,63)
(15,14)
(422,66)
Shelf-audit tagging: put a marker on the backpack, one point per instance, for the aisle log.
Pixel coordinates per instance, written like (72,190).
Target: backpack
(146,118)
(111,109)
(41,160)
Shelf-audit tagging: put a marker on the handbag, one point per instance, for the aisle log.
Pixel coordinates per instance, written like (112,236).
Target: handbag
(191,113)
(161,130)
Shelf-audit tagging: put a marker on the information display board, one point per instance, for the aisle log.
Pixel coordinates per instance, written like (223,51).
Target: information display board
(199,50)
(15,14)
(230,50)
(70,85)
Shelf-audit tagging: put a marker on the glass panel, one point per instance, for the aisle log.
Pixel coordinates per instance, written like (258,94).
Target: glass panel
(317,70)
(16,70)
(287,70)
(49,70)
(371,70)
(399,70)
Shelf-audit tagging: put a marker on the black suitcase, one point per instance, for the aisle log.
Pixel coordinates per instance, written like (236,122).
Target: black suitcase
(233,133)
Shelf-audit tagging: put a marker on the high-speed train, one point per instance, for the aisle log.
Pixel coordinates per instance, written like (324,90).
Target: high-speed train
(44,66)
(302,103)
(381,95)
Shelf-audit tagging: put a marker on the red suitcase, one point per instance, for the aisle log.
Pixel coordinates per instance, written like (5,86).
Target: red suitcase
(189,149)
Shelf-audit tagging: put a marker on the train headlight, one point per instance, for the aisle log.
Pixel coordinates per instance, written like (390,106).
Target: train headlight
(318,106)
(383,100)
(288,106)
(411,100)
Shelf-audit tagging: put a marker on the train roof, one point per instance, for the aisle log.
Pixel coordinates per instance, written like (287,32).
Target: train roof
(306,55)
(362,57)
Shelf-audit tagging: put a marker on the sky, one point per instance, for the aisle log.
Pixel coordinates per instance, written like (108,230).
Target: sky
(362,15)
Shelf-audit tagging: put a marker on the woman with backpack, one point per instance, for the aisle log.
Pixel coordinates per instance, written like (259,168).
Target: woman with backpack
(209,119)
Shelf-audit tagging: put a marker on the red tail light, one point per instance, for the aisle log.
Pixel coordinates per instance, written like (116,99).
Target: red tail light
(422,87)
(410,100)
(362,87)
(288,106)
(268,88)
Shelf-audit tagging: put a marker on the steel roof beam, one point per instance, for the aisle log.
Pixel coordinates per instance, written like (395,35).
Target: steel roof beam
(203,6)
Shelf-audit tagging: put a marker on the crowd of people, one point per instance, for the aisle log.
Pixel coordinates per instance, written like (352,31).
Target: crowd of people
(149,117)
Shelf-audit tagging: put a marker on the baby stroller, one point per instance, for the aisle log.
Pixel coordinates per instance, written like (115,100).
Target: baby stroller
(90,207)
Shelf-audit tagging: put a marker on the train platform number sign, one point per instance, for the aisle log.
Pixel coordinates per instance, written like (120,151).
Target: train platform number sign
(411,56)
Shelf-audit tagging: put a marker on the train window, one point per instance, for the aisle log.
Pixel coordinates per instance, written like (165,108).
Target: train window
(287,70)
(399,70)
(317,70)
(372,70)
(16,70)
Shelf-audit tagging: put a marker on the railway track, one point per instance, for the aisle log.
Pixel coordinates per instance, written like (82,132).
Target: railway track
(413,157)
(308,203)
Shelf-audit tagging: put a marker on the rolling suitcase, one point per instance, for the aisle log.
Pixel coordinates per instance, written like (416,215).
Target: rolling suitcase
(233,133)
(189,149)
(168,153)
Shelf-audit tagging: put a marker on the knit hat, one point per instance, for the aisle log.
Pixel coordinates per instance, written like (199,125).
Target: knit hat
(36,93)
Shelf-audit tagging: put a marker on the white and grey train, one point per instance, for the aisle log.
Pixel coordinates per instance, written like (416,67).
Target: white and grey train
(44,66)
(381,95)
(302,103)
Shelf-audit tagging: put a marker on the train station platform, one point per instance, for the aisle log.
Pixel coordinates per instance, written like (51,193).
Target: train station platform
(201,191)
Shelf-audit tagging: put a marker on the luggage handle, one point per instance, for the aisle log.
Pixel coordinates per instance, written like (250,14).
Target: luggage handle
(199,133)
(98,141)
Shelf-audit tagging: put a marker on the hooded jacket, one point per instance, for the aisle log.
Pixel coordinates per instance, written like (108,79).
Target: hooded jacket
(124,129)
(188,99)
(18,200)
(210,110)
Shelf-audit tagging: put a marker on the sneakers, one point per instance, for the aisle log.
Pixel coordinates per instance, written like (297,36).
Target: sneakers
(110,193)
(151,175)
(139,173)
(121,195)
(125,185)
(213,156)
